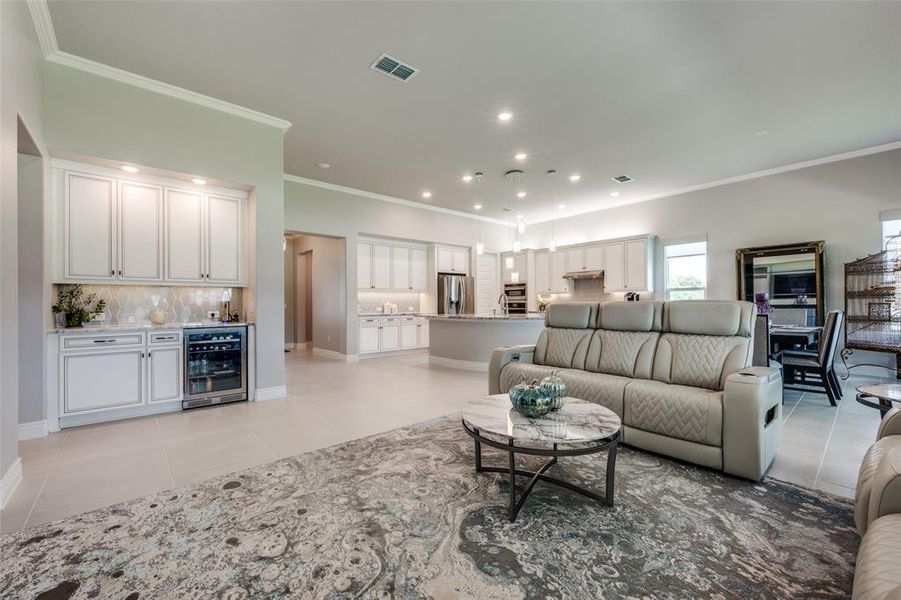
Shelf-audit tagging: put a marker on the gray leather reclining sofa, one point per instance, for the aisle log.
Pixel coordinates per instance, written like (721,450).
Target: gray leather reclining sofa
(677,373)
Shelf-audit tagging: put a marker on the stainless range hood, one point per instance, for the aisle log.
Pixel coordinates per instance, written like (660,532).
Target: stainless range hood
(584,275)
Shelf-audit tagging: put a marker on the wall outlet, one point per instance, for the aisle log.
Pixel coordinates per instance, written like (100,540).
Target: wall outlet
(213,315)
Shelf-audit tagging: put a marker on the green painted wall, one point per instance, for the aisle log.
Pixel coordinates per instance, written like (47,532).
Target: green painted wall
(96,116)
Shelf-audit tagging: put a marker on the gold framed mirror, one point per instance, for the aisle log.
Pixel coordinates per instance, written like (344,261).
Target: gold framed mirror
(792,276)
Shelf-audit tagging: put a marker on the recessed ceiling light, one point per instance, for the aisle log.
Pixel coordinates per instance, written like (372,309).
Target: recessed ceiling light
(762,132)
(504,115)
(520,217)
(427,194)
(520,194)
(614,194)
(575,177)
(562,206)
(323,165)
(199,181)
(129,169)
(467,178)
(477,206)
(521,156)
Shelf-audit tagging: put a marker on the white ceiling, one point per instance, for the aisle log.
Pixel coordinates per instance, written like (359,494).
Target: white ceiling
(673,94)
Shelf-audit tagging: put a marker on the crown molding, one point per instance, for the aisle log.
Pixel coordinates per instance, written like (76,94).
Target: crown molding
(43,26)
(737,179)
(383,198)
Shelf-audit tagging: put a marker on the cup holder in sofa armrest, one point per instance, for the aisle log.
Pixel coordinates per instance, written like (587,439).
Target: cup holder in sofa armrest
(768,373)
(769,416)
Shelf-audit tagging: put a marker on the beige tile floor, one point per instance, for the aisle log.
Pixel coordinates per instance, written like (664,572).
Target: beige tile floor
(329,402)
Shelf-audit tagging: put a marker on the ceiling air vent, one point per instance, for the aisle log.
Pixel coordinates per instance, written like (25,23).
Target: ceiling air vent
(622,179)
(393,67)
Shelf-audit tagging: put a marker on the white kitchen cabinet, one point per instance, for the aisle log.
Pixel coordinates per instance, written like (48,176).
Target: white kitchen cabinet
(409,333)
(558,284)
(593,257)
(224,229)
(614,267)
(542,283)
(143,230)
(419,269)
(574,260)
(140,231)
(101,380)
(453,260)
(423,326)
(390,334)
(381,267)
(90,227)
(637,265)
(184,236)
(165,374)
(364,265)
(400,268)
(369,335)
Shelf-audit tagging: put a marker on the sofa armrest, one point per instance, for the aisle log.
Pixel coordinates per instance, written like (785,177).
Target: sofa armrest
(890,425)
(885,493)
(502,356)
(752,421)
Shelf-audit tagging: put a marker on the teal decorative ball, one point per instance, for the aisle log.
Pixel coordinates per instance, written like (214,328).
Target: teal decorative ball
(530,399)
(556,389)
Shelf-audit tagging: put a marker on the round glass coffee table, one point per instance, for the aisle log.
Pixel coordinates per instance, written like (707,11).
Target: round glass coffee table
(578,428)
(880,396)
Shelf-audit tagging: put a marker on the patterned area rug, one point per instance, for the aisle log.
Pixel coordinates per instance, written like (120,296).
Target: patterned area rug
(403,514)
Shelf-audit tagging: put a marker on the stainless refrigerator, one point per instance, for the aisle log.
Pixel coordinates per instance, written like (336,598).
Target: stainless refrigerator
(456,294)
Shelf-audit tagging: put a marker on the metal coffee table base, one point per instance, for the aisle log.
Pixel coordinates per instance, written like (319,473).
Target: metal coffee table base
(512,450)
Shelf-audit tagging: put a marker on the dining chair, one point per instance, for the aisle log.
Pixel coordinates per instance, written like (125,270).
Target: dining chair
(814,371)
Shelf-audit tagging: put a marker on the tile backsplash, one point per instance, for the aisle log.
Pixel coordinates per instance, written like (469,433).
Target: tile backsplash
(373,301)
(133,303)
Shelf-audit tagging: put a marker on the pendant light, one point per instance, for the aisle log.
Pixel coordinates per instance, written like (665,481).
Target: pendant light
(516,175)
(552,245)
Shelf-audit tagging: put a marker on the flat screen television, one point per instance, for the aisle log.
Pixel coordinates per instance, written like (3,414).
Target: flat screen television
(793,284)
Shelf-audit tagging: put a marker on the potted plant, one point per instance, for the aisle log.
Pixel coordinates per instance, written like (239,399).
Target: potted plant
(76,306)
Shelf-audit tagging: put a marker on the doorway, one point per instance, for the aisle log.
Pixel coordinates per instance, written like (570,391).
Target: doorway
(303,300)
(487,283)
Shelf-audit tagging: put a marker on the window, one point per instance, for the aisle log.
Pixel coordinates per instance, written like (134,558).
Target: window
(685,271)
(891,229)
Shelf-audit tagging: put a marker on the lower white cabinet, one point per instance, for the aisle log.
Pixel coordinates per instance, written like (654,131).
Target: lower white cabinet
(387,334)
(100,380)
(165,374)
(123,370)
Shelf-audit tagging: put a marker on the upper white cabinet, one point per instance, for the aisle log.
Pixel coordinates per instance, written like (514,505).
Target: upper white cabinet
(542,282)
(389,266)
(140,231)
(453,260)
(614,269)
(184,236)
(628,266)
(558,285)
(224,239)
(90,227)
(146,230)
(585,258)
(638,268)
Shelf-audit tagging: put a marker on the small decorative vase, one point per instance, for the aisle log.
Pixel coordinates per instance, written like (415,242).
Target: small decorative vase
(530,400)
(556,389)
(157,316)
(74,320)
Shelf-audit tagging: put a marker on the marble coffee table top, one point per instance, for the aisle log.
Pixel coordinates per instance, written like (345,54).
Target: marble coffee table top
(577,422)
(883,391)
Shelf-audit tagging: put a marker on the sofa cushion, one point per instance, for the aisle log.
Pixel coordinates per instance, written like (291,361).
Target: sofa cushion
(631,316)
(563,348)
(514,373)
(871,460)
(709,317)
(606,390)
(572,315)
(876,575)
(686,413)
(624,353)
(700,360)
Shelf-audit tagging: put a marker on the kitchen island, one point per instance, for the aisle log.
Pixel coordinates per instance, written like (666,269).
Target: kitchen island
(467,341)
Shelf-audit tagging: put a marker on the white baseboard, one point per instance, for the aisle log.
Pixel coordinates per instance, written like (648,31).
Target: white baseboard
(270,393)
(335,355)
(465,365)
(32,430)
(11,480)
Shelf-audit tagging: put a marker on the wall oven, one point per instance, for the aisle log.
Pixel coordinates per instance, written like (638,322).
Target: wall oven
(215,366)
